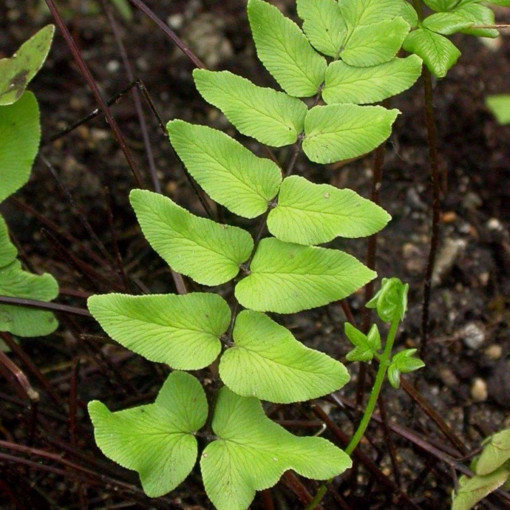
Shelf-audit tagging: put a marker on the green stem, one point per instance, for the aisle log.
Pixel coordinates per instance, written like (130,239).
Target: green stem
(318,497)
(384,362)
(374,395)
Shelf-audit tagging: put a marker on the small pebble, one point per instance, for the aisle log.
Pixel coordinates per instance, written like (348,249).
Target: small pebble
(206,37)
(473,335)
(467,229)
(113,66)
(414,259)
(478,390)
(175,21)
(494,351)
(100,135)
(142,64)
(414,200)
(448,377)
(84,132)
(410,343)
(494,224)
(448,217)
(483,278)
(171,187)
(76,103)
(447,256)
(471,201)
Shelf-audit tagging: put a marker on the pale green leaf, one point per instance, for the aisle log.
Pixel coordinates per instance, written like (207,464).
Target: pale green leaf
(156,440)
(477,14)
(323,24)
(252,452)
(473,490)
(438,53)
(20,134)
(17,72)
(374,338)
(355,336)
(446,23)
(368,12)
(460,18)
(495,453)
(271,117)
(229,173)
(343,131)
(365,346)
(124,9)
(309,213)
(22,321)
(182,331)
(206,251)
(409,15)
(285,51)
(393,375)
(441,5)
(267,362)
(390,300)
(360,353)
(503,3)
(371,45)
(499,105)
(405,361)
(361,85)
(288,278)
(8,251)
(402,363)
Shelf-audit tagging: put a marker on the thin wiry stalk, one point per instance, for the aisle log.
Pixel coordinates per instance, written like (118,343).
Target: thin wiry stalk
(436,211)
(168,32)
(87,75)
(136,96)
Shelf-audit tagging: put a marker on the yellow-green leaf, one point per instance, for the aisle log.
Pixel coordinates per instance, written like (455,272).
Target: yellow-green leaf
(285,51)
(229,173)
(267,362)
(343,131)
(206,251)
(271,117)
(17,72)
(309,213)
(251,453)
(288,278)
(20,133)
(156,440)
(182,331)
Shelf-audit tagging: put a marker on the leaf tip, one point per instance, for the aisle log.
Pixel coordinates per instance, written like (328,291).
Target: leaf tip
(135,195)
(96,408)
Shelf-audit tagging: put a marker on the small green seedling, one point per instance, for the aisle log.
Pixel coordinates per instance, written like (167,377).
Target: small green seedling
(499,105)
(335,60)
(124,9)
(20,135)
(390,302)
(491,471)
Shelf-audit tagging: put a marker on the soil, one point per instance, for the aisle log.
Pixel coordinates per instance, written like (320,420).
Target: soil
(467,376)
